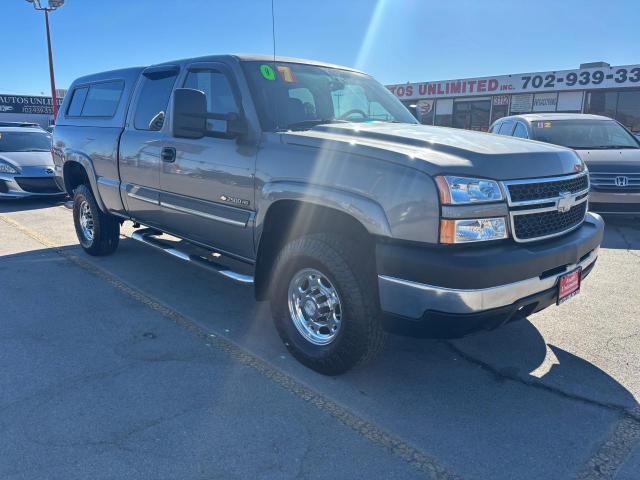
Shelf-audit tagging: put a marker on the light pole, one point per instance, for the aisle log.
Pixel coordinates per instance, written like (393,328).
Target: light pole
(51,6)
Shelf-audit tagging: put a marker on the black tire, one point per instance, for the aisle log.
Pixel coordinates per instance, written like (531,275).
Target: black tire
(360,336)
(106,227)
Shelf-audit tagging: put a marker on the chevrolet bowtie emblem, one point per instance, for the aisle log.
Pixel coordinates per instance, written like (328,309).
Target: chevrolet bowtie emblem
(565,202)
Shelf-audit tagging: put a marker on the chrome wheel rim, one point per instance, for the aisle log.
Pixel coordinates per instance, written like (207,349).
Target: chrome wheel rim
(86,221)
(314,306)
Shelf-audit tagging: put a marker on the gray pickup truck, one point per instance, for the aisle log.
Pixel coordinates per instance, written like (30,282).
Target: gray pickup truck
(314,184)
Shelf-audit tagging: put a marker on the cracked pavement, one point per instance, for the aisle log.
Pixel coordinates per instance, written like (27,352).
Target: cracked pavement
(139,366)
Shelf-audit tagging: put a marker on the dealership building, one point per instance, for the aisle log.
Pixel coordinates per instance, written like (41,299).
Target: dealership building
(475,103)
(25,108)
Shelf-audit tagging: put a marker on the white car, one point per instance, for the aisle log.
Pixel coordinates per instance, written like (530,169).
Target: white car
(26,165)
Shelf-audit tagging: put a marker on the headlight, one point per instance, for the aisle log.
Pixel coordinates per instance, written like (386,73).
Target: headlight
(459,190)
(472,230)
(6,168)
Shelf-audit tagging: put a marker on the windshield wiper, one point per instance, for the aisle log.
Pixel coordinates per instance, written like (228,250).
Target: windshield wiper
(601,147)
(615,147)
(306,124)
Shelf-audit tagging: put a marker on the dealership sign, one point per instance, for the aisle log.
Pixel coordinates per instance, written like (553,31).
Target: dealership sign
(26,104)
(581,79)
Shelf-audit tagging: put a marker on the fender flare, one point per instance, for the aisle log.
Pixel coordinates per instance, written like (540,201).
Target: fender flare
(365,210)
(87,164)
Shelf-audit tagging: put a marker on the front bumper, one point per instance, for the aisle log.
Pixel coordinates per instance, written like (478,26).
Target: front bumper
(31,181)
(453,292)
(614,202)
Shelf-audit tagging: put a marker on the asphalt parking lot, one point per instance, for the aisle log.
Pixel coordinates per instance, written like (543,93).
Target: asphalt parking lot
(139,366)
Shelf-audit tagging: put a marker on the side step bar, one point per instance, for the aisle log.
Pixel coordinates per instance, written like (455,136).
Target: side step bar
(147,236)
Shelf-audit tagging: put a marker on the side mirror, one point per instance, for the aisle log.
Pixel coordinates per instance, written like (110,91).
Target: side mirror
(225,125)
(155,124)
(236,125)
(188,113)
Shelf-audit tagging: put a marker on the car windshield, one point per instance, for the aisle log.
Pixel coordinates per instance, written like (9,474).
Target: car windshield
(293,96)
(584,134)
(25,142)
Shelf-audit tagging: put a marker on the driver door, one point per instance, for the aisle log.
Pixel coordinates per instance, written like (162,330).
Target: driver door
(207,187)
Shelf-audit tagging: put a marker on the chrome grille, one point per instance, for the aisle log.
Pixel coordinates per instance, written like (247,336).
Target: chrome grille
(615,182)
(535,225)
(522,192)
(546,207)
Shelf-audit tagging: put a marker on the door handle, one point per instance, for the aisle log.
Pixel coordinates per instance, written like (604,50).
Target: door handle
(168,154)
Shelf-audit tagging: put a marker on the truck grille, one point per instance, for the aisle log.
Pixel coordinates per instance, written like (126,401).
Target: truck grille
(546,207)
(522,192)
(615,182)
(536,225)
(37,184)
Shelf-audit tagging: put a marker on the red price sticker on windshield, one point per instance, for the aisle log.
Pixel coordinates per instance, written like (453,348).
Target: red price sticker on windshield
(286,73)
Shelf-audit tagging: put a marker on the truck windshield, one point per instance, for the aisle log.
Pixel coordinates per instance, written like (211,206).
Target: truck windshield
(293,96)
(584,134)
(25,142)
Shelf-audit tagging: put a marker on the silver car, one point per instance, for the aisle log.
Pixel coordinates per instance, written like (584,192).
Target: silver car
(26,165)
(610,151)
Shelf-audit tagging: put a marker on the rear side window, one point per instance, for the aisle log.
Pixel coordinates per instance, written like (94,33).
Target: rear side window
(506,128)
(153,100)
(103,99)
(77,101)
(520,131)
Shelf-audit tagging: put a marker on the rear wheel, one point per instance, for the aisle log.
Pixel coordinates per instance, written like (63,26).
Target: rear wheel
(98,232)
(324,305)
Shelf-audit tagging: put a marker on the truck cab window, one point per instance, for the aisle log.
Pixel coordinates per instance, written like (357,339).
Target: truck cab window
(77,101)
(103,99)
(304,98)
(219,93)
(153,100)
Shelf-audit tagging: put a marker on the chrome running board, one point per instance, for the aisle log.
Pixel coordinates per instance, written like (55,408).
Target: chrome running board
(148,236)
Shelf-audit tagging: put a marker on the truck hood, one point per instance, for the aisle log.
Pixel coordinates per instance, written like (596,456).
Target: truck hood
(625,160)
(28,159)
(440,150)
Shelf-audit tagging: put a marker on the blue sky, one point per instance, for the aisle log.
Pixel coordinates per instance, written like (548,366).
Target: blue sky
(395,40)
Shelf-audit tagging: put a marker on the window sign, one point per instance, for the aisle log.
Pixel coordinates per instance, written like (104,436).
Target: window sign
(444,106)
(569,102)
(521,103)
(424,109)
(500,100)
(545,102)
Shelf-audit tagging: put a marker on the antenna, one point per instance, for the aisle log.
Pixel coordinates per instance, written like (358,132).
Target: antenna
(275,67)
(273,31)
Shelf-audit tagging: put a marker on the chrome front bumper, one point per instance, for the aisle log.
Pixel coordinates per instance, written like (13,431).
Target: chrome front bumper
(411,299)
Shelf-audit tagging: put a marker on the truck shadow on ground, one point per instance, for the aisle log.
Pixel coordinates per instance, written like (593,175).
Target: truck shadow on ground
(25,204)
(532,403)
(511,352)
(518,352)
(621,232)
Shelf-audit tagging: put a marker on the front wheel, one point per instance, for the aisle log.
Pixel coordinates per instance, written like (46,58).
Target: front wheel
(324,304)
(98,232)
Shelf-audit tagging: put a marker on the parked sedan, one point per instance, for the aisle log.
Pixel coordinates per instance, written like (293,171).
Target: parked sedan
(26,166)
(610,151)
